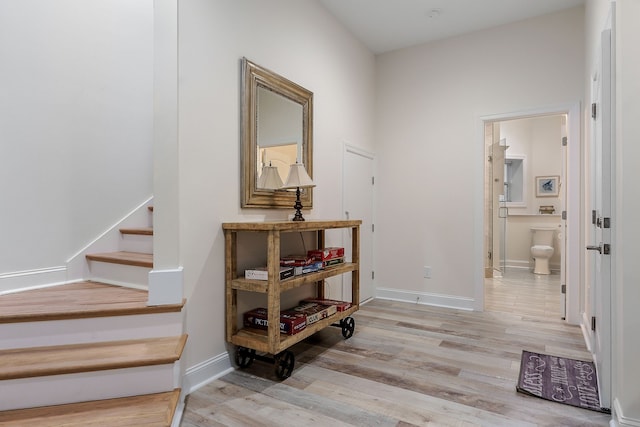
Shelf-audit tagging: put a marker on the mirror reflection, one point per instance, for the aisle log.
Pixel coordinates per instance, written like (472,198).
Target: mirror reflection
(276,132)
(279,135)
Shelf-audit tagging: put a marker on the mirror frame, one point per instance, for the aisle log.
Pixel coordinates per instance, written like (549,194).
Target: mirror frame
(254,77)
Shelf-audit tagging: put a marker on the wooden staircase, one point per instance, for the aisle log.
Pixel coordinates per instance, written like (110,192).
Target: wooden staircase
(91,353)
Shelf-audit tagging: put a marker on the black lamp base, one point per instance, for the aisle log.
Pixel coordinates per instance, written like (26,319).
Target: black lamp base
(298,207)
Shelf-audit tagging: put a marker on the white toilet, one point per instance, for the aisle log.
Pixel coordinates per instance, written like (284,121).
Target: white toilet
(542,249)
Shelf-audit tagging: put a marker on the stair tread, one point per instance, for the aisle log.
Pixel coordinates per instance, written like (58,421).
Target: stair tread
(77,300)
(143,231)
(155,410)
(89,357)
(137,259)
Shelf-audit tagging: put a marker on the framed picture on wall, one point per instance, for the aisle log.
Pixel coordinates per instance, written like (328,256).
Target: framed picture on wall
(547,186)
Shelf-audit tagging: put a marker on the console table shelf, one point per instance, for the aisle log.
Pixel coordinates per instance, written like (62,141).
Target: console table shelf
(271,341)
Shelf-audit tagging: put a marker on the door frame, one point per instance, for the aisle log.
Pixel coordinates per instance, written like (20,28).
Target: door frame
(350,149)
(574,254)
(601,187)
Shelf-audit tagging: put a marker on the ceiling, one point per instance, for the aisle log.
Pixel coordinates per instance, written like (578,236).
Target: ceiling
(385,25)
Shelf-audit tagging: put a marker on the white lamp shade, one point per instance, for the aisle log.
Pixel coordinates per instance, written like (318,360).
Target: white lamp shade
(298,177)
(270,178)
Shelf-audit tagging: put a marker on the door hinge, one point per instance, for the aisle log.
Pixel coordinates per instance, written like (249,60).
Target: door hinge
(373,275)
(593,111)
(593,323)
(606,249)
(594,217)
(564,141)
(606,222)
(373,180)
(564,215)
(373,228)
(489,255)
(563,289)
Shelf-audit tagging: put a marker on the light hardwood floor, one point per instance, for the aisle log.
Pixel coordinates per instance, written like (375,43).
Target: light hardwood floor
(410,365)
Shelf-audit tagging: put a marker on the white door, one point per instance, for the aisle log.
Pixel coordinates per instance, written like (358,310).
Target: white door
(598,304)
(358,204)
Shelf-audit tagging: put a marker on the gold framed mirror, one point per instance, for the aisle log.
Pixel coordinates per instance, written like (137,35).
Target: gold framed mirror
(277,128)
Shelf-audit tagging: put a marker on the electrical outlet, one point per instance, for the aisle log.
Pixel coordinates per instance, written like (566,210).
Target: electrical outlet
(427,272)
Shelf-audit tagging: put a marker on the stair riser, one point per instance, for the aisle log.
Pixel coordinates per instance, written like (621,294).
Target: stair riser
(118,274)
(77,331)
(60,389)
(136,243)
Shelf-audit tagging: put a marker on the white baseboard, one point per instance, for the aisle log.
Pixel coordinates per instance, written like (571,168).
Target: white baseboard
(427,298)
(205,372)
(32,279)
(620,420)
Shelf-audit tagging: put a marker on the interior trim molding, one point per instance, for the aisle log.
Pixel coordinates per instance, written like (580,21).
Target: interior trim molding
(32,279)
(165,286)
(426,298)
(622,421)
(205,372)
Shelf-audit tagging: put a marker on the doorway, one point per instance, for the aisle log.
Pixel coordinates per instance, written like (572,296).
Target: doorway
(358,202)
(521,149)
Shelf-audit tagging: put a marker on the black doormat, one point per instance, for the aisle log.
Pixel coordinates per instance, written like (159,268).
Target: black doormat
(558,379)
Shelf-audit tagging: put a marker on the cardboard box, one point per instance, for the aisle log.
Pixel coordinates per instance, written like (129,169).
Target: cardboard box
(326,253)
(315,311)
(291,322)
(260,273)
(311,268)
(340,305)
(334,261)
(295,260)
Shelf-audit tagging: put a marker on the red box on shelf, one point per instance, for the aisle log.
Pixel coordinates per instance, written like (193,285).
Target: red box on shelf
(326,253)
(315,311)
(295,260)
(291,322)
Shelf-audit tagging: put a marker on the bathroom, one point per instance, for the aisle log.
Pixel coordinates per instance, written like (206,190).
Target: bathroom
(532,198)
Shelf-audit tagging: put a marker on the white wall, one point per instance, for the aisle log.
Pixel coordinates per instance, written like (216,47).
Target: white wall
(298,40)
(626,321)
(626,291)
(75,124)
(430,100)
(625,252)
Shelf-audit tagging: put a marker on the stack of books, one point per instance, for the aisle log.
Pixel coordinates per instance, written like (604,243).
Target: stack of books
(301,264)
(295,265)
(297,318)
(328,256)
(340,305)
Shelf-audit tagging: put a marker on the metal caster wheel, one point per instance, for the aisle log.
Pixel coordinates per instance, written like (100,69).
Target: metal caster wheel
(348,326)
(245,357)
(284,364)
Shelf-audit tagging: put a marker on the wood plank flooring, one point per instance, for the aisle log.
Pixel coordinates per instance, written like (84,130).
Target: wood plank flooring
(408,365)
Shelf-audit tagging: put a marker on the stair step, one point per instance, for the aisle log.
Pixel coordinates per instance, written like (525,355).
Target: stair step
(142,231)
(147,410)
(90,357)
(77,300)
(137,259)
